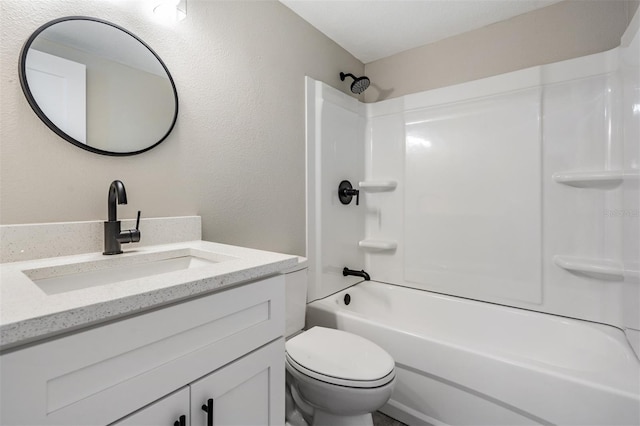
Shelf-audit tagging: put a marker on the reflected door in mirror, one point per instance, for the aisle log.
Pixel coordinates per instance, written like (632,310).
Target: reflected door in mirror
(59,87)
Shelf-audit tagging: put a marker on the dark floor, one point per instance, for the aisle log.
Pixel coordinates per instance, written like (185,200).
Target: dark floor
(380,419)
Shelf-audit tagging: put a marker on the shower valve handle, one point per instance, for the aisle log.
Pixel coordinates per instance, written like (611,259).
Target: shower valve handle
(346,193)
(351,193)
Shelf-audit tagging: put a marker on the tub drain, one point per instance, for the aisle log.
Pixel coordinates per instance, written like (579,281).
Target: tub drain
(347,299)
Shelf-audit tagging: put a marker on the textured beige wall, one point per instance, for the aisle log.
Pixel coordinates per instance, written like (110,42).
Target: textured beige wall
(565,30)
(236,156)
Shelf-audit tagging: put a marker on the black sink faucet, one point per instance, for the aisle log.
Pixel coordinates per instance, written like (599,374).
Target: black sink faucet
(113,236)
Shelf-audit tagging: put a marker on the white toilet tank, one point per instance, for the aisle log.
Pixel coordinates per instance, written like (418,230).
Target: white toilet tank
(296,296)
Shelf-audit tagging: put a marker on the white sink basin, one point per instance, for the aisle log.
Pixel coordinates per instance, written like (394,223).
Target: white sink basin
(114,269)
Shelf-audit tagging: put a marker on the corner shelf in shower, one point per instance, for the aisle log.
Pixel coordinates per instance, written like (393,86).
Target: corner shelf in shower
(610,268)
(378,245)
(595,178)
(378,185)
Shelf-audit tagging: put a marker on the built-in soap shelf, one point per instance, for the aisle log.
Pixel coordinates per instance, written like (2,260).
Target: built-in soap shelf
(378,185)
(610,268)
(595,178)
(378,245)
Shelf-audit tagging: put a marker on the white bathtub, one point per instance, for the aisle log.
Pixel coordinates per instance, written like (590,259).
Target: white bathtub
(466,362)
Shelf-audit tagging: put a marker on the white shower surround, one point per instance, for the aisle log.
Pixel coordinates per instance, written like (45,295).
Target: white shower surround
(485,215)
(519,189)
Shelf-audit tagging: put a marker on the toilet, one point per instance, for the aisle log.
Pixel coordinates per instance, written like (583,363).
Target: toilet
(333,378)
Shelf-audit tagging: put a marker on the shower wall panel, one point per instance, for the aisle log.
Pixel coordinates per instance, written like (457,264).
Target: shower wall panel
(629,208)
(384,212)
(582,132)
(520,189)
(335,147)
(472,199)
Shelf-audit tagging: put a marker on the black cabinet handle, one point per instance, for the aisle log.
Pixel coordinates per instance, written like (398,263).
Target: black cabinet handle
(182,421)
(208,407)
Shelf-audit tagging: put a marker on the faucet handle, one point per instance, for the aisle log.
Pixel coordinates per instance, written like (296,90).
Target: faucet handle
(134,234)
(346,193)
(130,235)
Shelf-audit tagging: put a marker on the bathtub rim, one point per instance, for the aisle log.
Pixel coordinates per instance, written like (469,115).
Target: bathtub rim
(524,362)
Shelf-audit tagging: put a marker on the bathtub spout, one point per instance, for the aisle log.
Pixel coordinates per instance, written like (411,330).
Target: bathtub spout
(346,271)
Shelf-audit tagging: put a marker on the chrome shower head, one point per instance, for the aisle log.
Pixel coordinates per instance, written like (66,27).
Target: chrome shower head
(359,84)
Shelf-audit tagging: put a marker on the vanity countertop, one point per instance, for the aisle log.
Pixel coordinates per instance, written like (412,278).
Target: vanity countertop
(27,313)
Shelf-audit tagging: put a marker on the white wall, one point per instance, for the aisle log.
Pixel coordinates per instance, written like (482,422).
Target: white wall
(237,154)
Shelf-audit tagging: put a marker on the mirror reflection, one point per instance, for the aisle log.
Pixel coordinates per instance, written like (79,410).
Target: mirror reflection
(98,86)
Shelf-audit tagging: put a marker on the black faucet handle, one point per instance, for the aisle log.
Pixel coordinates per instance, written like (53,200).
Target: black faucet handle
(346,192)
(130,235)
(134,234)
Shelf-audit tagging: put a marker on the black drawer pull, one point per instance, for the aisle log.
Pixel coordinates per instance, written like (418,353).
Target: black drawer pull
(208,407)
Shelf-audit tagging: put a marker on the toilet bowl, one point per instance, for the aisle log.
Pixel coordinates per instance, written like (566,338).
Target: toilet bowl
(333,378)
(342,376)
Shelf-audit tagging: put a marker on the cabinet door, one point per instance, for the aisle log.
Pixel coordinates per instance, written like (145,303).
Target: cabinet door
(247,392)
(165,412)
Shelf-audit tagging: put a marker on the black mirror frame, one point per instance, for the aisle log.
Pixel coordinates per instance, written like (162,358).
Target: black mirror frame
(34,105)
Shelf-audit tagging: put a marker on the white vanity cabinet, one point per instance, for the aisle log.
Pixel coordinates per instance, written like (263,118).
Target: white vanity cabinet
(152,368)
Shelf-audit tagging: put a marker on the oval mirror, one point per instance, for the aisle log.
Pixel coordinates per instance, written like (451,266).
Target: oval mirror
(98,86)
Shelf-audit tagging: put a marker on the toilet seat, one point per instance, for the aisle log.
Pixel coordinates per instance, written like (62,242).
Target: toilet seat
(340,358)
(364,384)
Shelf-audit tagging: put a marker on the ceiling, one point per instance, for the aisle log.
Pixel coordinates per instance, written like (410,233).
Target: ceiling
(375,29)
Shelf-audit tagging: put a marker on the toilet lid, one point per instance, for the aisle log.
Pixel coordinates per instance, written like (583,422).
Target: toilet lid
(339,354)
